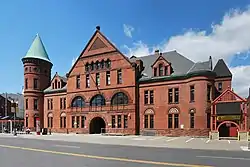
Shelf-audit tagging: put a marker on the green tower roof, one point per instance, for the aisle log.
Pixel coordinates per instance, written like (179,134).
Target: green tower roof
(37,50)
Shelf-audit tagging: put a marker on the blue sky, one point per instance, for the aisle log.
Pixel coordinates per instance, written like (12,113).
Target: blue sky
(65,26)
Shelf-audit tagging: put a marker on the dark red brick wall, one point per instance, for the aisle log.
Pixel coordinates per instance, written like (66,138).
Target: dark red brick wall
(42,71)
(161,105)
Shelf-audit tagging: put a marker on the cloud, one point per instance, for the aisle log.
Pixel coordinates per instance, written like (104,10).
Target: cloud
(128,30)
(228,38)
(241,79)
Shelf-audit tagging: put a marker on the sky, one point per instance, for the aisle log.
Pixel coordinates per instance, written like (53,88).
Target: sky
(197,29)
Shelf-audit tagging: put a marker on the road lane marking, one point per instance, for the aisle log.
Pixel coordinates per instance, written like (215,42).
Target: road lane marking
(104,158)
(207,141)
(189,140)
(229,141)
(244,148)
(230,158)
(67,146)
(171,139)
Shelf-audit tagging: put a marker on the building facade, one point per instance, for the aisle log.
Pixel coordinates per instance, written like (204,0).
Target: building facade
(107,92)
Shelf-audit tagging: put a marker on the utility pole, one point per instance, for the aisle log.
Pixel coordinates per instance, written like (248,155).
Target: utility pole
(6,105)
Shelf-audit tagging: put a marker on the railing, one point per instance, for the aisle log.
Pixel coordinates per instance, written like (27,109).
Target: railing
(107,108)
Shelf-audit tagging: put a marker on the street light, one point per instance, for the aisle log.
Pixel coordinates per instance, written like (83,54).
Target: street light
(14,105)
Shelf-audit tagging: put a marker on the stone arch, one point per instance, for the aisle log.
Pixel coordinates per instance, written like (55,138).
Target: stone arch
(174,110)
(75,95)
(77,98)
(225,122)
(50,114)
(123,91)
(89,119)
(124,98)
(95,96)
(63,114)
(192,110)
(149,111)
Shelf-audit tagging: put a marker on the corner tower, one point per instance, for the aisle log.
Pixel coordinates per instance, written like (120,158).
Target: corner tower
(37,76)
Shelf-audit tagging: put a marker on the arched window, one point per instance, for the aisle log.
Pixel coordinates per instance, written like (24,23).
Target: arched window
(98,65)
(63,120)
(160,70)
(97,100)
(87,67)
(108,63)
(78,102)
(102,64)
(149,119)
(92,65)
(50,120)
(119,98)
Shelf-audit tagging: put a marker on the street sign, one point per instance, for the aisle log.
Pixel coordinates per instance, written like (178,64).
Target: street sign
(13,109)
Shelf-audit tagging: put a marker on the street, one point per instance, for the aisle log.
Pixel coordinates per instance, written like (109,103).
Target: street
(40,153)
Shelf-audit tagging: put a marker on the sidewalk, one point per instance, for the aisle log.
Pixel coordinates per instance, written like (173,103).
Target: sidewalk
(143,141)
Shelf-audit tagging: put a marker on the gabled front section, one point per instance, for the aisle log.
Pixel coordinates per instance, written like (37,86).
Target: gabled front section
(101,89)
(229,116)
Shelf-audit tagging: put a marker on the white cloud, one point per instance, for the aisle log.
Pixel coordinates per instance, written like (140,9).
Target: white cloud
(228,38)
(241,79)
(128,29)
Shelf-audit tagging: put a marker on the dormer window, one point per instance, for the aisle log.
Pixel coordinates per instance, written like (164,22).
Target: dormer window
(161,70)
(59,85)
(155,72)
(55,84)
(166,70)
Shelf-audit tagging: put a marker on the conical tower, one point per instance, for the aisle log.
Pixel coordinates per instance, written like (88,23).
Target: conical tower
(37,76)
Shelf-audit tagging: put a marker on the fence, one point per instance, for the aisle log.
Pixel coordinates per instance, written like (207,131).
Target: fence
(8,125)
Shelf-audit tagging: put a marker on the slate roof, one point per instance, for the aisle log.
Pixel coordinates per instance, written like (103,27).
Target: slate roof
(179,63)
(63,89)
(221,69)
(37,50)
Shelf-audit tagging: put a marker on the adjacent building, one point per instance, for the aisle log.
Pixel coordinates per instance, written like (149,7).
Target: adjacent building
(107,92)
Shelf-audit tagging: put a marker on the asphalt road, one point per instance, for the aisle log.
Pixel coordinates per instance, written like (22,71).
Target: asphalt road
(40,153)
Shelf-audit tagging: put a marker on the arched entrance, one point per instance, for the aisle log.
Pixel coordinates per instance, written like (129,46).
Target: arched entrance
(228,129)
(97,125)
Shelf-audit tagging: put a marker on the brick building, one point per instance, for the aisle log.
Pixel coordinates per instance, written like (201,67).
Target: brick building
(105,91)
(3,107)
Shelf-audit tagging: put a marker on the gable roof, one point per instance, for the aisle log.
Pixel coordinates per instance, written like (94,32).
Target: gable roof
(37,50)
(228,90)
(88,47)
(160,56)
(221,69)
(63,89)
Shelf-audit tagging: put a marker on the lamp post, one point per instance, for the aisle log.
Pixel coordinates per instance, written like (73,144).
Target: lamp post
(14,105)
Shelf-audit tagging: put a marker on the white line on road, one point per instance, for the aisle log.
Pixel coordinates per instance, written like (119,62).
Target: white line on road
(229,141)
(66,146)
(207,141)
(189,140)
(230,158)
(171,139)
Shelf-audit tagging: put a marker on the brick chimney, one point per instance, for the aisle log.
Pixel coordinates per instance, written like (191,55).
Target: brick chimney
(157,52)
(98,28)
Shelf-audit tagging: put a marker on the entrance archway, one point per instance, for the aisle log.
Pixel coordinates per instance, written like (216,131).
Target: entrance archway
(97,125)
(228,129)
